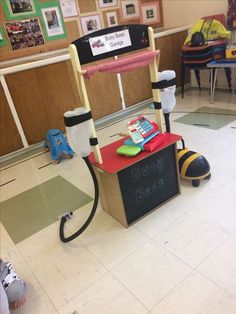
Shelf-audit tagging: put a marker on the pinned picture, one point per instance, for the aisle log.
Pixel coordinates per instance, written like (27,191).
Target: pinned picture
(90,24)
(107,3)
(111,19)
(151,13)
(19,8)
(68,8)
(53,22)
(130,9)
(24,34)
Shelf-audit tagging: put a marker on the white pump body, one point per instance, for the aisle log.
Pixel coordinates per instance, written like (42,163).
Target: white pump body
(167,95)
(79,135)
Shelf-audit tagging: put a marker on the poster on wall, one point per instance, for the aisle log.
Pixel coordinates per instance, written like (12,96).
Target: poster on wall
(151,13)
(68,8)
(90,24)
(52,20)
(130,9)
(107,3)
(111,18)
(24,33)
(19,9)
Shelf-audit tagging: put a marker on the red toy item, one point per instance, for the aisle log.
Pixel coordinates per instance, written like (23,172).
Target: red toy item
(155,142)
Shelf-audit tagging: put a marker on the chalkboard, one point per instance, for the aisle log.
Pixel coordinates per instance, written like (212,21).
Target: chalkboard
(148,183)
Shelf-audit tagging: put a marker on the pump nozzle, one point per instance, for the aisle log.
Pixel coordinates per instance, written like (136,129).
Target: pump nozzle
(78,130)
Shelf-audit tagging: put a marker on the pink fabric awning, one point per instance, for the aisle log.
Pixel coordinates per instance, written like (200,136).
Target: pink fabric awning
(124,64)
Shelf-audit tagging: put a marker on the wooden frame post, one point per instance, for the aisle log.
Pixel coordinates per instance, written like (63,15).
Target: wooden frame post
(83,95)
(153,67)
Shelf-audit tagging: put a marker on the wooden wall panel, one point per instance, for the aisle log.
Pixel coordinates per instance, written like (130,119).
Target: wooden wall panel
(10,137)
(177,44)
(137,86)
(41,96)
(103,94)
(170,47)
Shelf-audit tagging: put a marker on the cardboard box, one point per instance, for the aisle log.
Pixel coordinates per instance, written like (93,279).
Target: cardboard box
(231,53)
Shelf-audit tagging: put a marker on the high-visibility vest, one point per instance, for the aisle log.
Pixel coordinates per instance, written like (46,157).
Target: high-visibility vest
(211,29)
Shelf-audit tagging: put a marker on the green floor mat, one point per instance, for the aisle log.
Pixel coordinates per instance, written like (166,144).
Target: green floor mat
(35,209)
(207,117)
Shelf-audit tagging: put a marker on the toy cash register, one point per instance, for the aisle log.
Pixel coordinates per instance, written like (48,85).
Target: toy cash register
(141,128)
(144,135)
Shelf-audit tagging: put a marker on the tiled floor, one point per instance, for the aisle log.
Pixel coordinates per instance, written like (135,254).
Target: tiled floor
(180,259)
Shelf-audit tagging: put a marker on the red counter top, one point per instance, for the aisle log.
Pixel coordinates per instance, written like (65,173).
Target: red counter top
(113,162)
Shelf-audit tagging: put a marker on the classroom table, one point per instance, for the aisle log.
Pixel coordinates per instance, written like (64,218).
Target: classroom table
(214,66)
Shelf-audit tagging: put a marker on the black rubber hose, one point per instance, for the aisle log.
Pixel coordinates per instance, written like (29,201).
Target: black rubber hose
(167,121)
(95,204)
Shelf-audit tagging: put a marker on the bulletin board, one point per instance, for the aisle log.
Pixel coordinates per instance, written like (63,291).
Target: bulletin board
(30,27)
(34,26)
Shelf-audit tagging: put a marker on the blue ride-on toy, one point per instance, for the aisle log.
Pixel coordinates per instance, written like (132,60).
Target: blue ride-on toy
(57,144)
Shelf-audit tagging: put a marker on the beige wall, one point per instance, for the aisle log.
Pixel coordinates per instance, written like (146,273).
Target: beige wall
(182,12)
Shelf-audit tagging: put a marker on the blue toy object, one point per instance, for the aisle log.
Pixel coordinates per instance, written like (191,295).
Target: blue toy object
(57,144)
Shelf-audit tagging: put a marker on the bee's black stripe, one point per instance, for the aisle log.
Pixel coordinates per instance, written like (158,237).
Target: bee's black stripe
(184,157)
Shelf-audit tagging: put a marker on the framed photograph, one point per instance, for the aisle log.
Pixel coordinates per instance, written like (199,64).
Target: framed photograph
(151,13)
(107,3)
(53,23)
(130,9)
(18,9)
(24,33)
(111,18)
(90,23)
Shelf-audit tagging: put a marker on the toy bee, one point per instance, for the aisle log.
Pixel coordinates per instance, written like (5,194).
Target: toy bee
(192,166)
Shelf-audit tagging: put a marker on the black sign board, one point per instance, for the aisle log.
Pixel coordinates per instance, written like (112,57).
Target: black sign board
(149,183)
(138,35)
